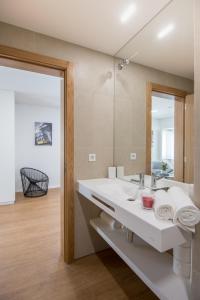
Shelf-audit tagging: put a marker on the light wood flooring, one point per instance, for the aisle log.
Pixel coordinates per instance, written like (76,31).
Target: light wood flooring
(31,267)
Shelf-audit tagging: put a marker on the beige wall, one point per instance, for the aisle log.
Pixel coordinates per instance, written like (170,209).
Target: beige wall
(93,116)
(130,111)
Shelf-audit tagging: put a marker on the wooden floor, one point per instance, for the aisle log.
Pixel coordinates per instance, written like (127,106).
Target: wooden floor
(31,267)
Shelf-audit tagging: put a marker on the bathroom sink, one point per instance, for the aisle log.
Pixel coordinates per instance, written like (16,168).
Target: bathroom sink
(113,196)
(118,190)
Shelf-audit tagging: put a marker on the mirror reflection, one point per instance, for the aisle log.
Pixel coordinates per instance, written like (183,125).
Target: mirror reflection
(162,149)
(154,97)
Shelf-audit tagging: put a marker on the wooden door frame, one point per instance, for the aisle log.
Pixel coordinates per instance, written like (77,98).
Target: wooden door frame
(189,139)
(49,65)
(154,87)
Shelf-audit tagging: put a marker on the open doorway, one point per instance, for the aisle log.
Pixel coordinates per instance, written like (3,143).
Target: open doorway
(30,114)
(23,60)
(30,173)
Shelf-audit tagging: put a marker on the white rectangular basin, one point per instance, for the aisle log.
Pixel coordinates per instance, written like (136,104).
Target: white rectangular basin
(111,195)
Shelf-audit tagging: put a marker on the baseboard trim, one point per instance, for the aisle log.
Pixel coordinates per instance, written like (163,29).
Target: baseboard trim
(54,187)
(50,188)
(7,203)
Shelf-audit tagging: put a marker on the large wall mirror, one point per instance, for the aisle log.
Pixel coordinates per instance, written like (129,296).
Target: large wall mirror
(154,97)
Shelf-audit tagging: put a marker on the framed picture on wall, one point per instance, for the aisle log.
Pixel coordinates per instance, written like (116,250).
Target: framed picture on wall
(43,134)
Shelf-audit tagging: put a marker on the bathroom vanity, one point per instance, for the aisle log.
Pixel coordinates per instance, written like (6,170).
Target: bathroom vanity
(146,255)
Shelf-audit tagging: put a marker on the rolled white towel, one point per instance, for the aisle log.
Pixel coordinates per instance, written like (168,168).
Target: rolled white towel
(163,206)
(108,220)
(187,215)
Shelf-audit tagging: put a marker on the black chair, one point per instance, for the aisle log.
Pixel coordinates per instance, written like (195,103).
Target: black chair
(34,182)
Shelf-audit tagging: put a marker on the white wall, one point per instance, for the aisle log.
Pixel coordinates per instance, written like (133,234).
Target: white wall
(44,158)
(167,123)
(156,147)
(7,147)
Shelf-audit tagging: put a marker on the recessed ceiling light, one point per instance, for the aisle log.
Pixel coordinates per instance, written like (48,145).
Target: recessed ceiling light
(165,31)
(128,13)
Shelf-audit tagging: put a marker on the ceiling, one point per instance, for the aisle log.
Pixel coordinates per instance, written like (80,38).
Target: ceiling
(97,25)
(172,54)
(31,88)
(90,23)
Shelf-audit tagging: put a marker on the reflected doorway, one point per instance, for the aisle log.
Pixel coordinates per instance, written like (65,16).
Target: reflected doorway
(162,146)
(167,132)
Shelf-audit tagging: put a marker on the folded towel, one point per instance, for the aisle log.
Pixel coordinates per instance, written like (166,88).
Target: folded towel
(187,215)
(182,256)
(108,220)
(182,253)
(182,269)
(163,206)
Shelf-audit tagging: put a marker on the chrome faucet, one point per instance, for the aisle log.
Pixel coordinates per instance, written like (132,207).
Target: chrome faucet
(154,180)
(141,186)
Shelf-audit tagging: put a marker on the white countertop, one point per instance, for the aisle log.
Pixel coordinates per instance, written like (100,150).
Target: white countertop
(162,235)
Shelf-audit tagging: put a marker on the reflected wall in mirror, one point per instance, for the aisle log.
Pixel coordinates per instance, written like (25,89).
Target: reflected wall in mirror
(160,70)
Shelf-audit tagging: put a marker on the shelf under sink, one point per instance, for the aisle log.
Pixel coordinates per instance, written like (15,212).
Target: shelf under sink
(154,268)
